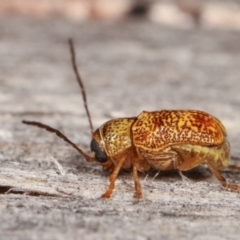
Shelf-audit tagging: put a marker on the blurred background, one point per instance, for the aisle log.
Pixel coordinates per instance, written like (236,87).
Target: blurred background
(178,13)
(186,53)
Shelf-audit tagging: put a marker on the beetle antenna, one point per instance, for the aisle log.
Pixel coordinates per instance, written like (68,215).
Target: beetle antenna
(59,134)
(75,69)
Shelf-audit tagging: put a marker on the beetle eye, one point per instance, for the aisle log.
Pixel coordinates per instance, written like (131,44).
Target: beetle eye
(99,154)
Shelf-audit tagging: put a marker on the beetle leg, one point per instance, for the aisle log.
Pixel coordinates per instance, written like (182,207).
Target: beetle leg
(112,179)
(138,191)
(223,180)
(235,167)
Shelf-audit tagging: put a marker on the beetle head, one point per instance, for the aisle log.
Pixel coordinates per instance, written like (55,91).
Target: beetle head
(97,147)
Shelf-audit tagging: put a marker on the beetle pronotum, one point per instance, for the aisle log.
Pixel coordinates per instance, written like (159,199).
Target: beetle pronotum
(163,140)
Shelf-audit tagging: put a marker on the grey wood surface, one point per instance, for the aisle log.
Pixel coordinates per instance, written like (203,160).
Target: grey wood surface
(127,67)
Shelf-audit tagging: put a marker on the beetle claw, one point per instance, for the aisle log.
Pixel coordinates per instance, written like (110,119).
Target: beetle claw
(137,195)
(107,194)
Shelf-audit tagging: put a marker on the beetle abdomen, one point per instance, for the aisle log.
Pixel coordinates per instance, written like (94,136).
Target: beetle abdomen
(157,130)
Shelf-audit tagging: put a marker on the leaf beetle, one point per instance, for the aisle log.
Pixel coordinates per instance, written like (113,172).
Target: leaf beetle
(163,140)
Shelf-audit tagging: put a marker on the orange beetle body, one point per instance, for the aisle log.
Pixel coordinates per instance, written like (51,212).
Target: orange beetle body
(163,140)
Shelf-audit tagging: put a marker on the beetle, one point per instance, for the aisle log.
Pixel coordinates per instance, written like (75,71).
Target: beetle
(162,140)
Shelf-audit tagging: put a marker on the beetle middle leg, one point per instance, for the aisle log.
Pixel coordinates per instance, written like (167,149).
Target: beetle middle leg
(138,191)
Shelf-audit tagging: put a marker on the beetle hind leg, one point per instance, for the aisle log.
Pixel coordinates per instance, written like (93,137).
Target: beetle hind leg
(223,180)
(234,167)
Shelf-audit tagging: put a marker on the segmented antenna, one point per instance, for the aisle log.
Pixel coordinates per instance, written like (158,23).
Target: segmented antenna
(59,134)
(75,69)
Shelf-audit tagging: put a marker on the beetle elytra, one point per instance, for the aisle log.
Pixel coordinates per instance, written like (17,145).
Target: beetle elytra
(163,140)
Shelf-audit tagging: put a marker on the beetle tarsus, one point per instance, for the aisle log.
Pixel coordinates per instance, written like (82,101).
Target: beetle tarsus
(137,195)
(107,194)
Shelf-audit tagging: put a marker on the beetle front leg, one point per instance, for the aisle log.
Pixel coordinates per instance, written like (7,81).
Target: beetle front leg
(222,179)
(112,179)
